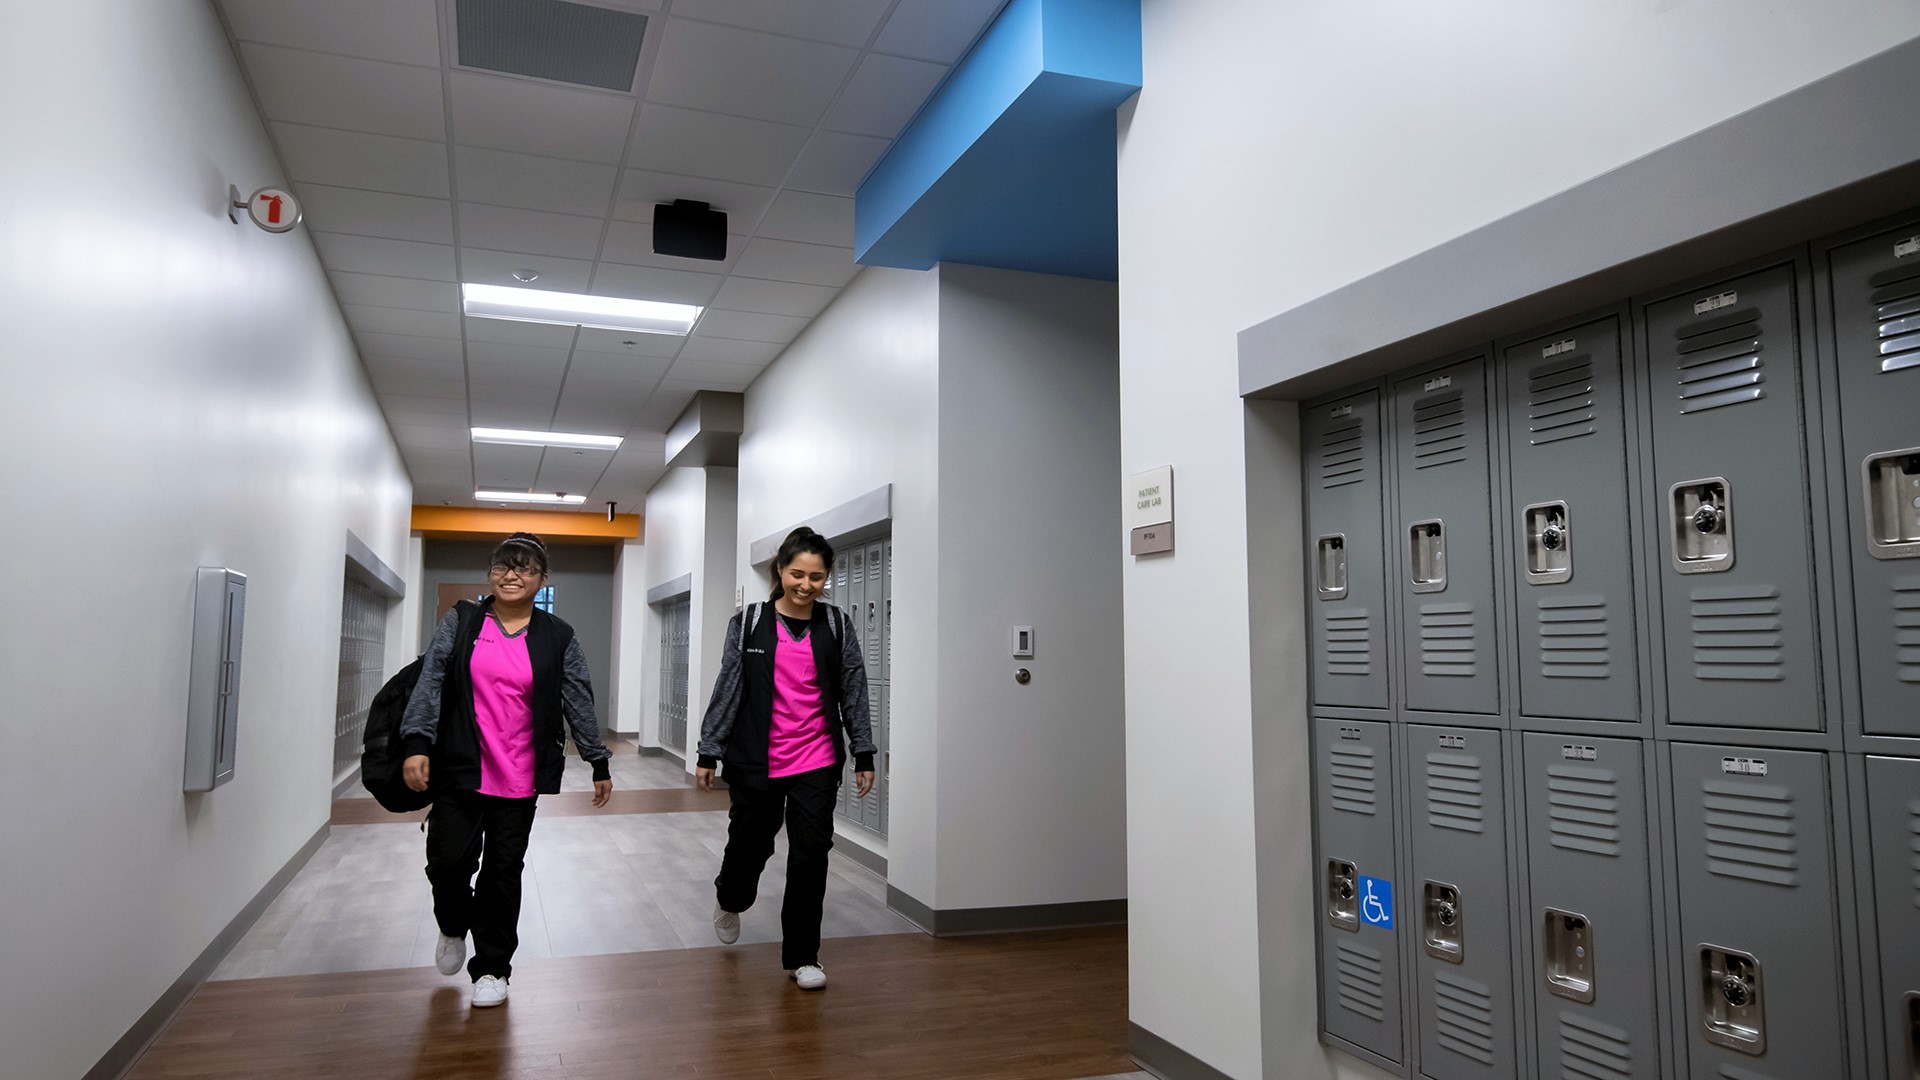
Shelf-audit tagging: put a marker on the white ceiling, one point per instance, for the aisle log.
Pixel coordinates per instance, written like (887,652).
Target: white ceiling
(417,175)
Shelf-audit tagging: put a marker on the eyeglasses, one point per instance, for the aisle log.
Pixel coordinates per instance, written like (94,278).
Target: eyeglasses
(523,572)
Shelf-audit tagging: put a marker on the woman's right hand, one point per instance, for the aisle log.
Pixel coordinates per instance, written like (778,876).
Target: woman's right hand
(414,771)
(703,778)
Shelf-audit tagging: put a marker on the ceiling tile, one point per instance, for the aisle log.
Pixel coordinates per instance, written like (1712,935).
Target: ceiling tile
(703,352)
(376,290)
(937,30)
(751,326)
(653,283)
(883,96)
(604,370)
(708,144)
(434,406)
(402,347)
(598,419)
(532,118)
(441,371)
(394,258)
(377,213)
(783,260)
(486,267)
(424,437)
(495,414)
(404,31)
(342,92)
(835,162)
(357,160)
(505,468)
(501,228)
(639,191)
(404,386)
(666,405)
(385,320)
(809,218)
(614,343)
(574,471)
(490,358)
(533,183)
(530,334)
(844,22)
(774,297)
(722,69)
(631,243)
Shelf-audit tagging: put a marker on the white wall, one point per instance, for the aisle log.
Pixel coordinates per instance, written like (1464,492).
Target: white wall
(630,681)
(690,525)
(182,392)
(1335,139)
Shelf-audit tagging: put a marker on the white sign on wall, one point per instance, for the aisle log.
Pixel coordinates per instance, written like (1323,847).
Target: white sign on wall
(1150,511)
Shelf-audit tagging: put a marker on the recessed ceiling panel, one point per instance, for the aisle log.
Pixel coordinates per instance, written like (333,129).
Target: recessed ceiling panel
(355,159)
(537,118)
(531,182)
(377,255)
(721,69)
(782,260)
(713,145)
(653,283)
(377,290)
(835,162)
(884,95)
(502,228)
(937,30)
(774,297)
(485,267)
(551,39)
(751,326)
(810,218)
(346,92)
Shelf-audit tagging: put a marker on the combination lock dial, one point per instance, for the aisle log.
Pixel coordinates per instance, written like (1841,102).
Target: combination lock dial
(1706,519)
(1738,991)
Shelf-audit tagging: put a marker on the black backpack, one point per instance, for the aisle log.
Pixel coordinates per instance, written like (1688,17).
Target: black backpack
(380,752)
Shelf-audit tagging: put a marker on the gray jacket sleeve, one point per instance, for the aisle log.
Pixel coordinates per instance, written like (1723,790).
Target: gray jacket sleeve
(724,706)
(854,707)
(420,724)
(576,704)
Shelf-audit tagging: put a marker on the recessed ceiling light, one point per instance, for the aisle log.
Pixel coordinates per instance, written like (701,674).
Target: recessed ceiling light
(578,309)
(511,437)
(527,497)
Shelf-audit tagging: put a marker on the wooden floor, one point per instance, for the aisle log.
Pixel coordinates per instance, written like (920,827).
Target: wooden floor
(359,811)
(1043,1006)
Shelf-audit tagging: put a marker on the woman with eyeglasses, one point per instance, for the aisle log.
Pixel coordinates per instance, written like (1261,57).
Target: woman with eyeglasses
(485,731)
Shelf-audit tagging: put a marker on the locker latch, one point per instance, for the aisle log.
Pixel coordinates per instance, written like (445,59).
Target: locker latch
(1549,543)
(1733,1004)
(1444,922)
(1567,950)
(1702,525)
(1893,503)
(1330,567)
(1427,554)
(1343,894)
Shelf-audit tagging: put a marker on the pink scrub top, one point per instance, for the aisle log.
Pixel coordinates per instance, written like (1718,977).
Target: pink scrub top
(800,741)
(503,704)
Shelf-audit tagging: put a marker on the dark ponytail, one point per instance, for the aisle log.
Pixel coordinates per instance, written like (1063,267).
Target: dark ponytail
(801,541)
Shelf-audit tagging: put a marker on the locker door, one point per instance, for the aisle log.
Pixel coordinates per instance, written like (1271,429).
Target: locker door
(1567,441)
(1592,916)
(1729,467)
(1757,915)
(1876,305)
(870,633)
(1345,523)
(870,806)
(883,761)
(1443,544)
(1893,800)
(1457,903)
(1360,987)
(886,618)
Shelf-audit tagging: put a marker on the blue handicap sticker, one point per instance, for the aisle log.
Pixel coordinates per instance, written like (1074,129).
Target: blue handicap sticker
(1376,902)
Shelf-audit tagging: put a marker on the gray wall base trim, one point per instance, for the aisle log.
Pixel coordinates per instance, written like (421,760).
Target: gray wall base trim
(653,751)
(957,922)
(861,518)
(373,570)
(1165,1060)
(680,586)
(861,853)
(128,1048)
(347,783)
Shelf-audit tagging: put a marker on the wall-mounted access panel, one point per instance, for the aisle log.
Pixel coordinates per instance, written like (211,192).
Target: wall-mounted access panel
(1875,353)
(1360,916)
(1761,976)
(1442,542)
(1345,484)
(213,685)
(1460,904)
(1892,942)
(1735,529)
(1591,910)
(1569,513)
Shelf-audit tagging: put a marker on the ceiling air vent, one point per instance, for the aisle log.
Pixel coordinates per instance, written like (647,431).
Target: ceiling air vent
(551,39)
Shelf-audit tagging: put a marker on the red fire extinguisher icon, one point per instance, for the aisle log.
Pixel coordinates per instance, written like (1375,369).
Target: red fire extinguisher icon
(273,208)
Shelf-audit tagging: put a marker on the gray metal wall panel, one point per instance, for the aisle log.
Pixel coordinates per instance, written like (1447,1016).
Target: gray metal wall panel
(1360,978)
(1345,489)
(1893,799)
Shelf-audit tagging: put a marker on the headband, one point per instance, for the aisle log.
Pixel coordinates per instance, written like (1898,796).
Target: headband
(534,544)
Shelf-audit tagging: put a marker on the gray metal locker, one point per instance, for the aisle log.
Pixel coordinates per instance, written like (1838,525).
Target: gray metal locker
(1345,485)
(1730,471)
(1758,917)
(1443,540)
(1893,801)
(1458,895)
(1566,440)
(886,618)
(1876,334)
(1360,981)
(870,806)
(882,764)
(870,614)
(1590,889)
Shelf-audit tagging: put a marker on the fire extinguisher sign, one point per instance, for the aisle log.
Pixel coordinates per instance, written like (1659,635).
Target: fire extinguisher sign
(274,210)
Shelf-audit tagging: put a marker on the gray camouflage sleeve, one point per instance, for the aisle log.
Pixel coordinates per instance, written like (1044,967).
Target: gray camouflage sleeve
(576,703)
(420,724)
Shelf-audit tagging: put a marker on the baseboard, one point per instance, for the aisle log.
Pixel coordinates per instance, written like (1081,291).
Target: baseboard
(347,783)
(1165,1060)
(861,853)
(955,922)
(128,1048)
(653,751)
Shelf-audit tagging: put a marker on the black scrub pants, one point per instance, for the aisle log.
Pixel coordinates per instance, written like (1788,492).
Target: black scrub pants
(805,802)
(461,825)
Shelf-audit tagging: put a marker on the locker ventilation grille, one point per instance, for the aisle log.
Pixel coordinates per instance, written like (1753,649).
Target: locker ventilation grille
(1360,980)
(1447,646)
(1560,400)
(1594,1051)
(1463,1020)
(1440,431)
(1719,362)
(551,39)
(1573,638)
(1343,456)
(1913,845)
(1355,784)
(1584,805)
(1750,832)
(1896,308)
(1737,633)
(1906,628)
(1349,642)
(1456,794)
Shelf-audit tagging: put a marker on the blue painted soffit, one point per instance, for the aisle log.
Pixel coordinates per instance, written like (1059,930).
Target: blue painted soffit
(1012,162)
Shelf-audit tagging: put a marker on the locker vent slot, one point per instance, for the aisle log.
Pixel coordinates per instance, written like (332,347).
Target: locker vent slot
(1463,1021)
(1349,638)
(1560,400)
(1750,832)
(1355,784)
(1737,633)
(1573,638)
(1584,807)
(1896,310)
(1593,1051)
(1360,980)
(1447,640)
(1913,845)
(1720,364)
(1456,794)
(1440,431)
(1343,456)
(1735,1072)
(1906,628)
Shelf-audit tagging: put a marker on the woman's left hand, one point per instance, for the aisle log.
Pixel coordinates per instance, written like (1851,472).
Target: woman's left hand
(862,784)
(602,791)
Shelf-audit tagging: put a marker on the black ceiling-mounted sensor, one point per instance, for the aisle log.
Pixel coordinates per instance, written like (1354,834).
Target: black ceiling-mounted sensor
(689,230)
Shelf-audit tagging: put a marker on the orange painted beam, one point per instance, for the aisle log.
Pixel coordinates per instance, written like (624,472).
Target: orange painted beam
(559,526)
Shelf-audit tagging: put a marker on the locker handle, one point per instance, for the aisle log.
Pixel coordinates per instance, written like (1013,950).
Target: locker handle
(1892,504)
(1548,548)
(1343,894)
(1701,525)
(1732,1000)
(1330,566)
(1445,921)
(1427,555)
(1567,954)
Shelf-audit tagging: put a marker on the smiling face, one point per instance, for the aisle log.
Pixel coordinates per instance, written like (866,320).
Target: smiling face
(515,583)
(803,578)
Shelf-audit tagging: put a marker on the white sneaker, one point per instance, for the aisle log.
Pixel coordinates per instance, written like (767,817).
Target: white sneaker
(811,977)
(488,991)
(450,954)
(726,925)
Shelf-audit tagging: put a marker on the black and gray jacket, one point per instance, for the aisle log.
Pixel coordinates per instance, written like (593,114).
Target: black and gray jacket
(440,721)
(739,721)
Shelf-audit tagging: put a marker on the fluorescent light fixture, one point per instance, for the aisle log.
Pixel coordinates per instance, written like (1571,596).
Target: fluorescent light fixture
(578,309)
(511,437)
(527,497)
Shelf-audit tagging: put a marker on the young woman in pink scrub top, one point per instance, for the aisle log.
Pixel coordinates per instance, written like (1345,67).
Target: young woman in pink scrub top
(790,703)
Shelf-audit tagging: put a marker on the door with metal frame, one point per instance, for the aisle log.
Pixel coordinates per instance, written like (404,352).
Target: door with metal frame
(1345,483)
(676,642)
(1360,978)
(1893,801)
